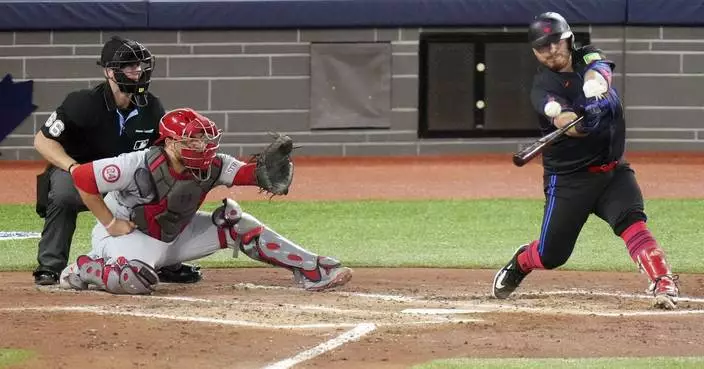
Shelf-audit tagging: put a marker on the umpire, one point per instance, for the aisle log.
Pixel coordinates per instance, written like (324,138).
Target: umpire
(118,116)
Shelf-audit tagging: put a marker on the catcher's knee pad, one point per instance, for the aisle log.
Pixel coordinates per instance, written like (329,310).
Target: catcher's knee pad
(241,227)
(228,214)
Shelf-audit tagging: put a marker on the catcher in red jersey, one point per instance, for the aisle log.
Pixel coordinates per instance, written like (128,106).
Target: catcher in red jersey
(150,218)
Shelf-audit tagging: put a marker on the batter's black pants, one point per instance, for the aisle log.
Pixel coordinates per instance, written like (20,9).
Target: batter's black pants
(613,196)
(62,207)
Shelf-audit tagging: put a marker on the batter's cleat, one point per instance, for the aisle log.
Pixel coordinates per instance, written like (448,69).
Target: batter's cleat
(330,274)
(666,292)
(509,277)
(180,273)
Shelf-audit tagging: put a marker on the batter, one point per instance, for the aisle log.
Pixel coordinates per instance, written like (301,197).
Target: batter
(585,171)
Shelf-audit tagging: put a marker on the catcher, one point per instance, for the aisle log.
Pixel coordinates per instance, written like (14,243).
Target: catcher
(150,216)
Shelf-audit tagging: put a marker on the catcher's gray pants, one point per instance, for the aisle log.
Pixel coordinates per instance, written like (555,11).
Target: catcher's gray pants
(60,222)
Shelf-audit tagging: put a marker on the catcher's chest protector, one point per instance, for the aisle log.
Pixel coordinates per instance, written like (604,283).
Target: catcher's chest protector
(176,200)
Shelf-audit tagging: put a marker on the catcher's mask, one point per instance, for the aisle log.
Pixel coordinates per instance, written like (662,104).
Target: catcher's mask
(132,65)
(197,137)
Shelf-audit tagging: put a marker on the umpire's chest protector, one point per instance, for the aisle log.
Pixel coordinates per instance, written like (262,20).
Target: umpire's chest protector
(176,198)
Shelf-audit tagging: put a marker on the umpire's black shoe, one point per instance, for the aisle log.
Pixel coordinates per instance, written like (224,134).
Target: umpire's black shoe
(180,273)
(45,278)
(509,277)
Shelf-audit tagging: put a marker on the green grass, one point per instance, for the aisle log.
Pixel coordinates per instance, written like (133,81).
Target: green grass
(454,234)
(588,363)
(13,356)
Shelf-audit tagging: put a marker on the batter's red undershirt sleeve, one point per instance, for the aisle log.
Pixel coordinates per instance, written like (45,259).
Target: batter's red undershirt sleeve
(245,176)
(84,178)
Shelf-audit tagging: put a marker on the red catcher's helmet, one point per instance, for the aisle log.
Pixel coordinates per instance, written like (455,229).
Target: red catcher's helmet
(198,136)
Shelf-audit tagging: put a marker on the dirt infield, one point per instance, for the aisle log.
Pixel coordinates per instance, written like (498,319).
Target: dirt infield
(385,318)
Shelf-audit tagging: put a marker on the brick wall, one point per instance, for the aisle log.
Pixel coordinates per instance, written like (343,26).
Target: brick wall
(254,81)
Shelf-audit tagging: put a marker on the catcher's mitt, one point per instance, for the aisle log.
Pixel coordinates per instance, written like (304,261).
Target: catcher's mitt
(274,170)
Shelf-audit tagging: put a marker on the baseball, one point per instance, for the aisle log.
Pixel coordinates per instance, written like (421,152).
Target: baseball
(481,67)
(552,109)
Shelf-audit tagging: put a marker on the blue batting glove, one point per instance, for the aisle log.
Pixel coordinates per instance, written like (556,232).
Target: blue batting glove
(594,111)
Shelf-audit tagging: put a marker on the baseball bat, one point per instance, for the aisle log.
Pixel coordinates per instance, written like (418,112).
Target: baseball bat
(531,151)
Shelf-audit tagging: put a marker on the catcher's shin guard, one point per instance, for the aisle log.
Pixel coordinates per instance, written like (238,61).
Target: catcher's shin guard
(260,243)
(663,286)
(120,276)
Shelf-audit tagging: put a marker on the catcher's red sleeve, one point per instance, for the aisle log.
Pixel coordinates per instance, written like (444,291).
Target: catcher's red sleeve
(84,178)
(245,175)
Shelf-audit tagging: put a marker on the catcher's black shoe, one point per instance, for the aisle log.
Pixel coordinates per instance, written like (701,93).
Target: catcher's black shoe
(509,277)
(180,273)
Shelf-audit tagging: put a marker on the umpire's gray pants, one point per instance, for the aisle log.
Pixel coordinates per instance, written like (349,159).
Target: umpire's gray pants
(60,222)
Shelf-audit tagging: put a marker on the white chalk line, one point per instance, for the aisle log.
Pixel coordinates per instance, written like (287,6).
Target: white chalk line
(294,307)
(241,323)
(478,308)
(233,302)
(352,335)
(404,298)
(548,311)
(474,308)
(183,318)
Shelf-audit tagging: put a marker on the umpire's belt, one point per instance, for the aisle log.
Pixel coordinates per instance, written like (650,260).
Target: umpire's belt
(603,168)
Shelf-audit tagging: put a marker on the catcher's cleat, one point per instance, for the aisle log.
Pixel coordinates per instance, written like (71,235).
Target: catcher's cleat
(329,274)
(666,292)
(509,277)
(180,273)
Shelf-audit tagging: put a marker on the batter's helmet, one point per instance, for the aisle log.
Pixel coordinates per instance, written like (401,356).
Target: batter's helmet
(200,138)
(549,28)
(119,53)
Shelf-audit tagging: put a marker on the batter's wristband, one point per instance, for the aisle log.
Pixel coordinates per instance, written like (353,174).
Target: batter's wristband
(71,166)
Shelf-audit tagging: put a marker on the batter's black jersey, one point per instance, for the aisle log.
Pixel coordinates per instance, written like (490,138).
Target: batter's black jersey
(571,154)
(89,126)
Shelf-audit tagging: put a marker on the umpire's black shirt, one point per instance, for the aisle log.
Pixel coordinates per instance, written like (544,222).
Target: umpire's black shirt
(570,154)
(89,125)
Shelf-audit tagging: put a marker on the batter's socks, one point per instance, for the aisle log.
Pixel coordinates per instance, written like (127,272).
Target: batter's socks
(638,238)
(529,259)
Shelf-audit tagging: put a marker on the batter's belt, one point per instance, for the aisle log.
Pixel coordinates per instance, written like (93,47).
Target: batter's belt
(603,168)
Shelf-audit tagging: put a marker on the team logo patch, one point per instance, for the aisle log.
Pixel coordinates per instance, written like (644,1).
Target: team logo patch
(111,173)
(591,57)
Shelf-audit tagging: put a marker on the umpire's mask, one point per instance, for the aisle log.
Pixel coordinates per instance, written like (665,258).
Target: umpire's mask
(128,58)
